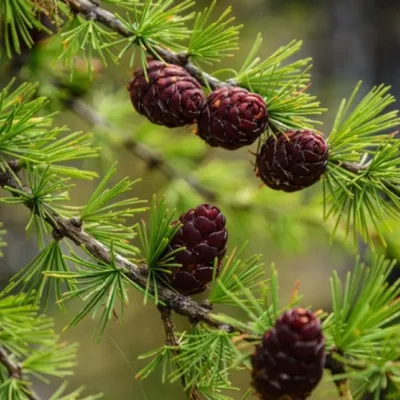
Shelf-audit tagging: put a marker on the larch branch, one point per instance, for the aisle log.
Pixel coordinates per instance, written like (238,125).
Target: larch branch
(93,11)
(72,230)
(172,340)
(336,367)
(15,371)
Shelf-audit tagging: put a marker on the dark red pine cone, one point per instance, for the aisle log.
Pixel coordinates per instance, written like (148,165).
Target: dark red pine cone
(293,160)
(169,97)
(232,118)
(204,235)
(289,362)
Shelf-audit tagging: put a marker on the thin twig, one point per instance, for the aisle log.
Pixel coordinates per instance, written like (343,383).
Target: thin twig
(150,157)
(336,367)
(70,229)
(169,326)
(13,368)
(355,168)
(172,340)
(15,372)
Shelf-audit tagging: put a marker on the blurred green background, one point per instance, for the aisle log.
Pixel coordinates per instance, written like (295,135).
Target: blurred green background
(349,40)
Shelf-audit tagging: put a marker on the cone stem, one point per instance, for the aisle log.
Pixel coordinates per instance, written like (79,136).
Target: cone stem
(336,367)
(172,340)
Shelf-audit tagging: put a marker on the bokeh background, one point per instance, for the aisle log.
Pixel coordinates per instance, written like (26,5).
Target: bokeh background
(349,40)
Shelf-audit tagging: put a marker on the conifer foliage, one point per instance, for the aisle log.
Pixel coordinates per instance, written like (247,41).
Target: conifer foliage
(285,350)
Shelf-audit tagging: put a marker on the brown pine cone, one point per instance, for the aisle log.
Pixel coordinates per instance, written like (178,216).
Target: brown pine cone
(289,362)
(169,97)
(204,235)
(294,160)
(232,118)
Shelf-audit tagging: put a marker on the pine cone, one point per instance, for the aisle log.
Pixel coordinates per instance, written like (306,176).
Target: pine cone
(289,362)
(293,160)
(169,97)
(204,235)
(232,118)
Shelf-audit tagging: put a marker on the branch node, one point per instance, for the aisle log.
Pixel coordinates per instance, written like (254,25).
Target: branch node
(355,168)
(154,163)
(336,367)
(183,58)
(14,370)
(57,234)
(15,165)
(207,304)
(169,326)
(76,222)
(90,15)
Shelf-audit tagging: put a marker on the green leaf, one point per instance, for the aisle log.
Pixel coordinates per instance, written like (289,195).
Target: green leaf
(291,107)
(101,286)
(101,207)
(260,305)
(366,200)
(362,178)
(205,357)
(52,361)
(236,277)
(215,391)
(160,358)
(155,23)
(117,236)
(105,217)
(161,230)
(19,17)
(14,389)
(362,126)
(46,193)
(155,242)
(365,308)
(31,280)
(29,340)
(59,394)
(271,71)
(71,147)
(20,131)
(30,138)
(84,39)
(210,42)
(373,372)
(282,85)
(22,328)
